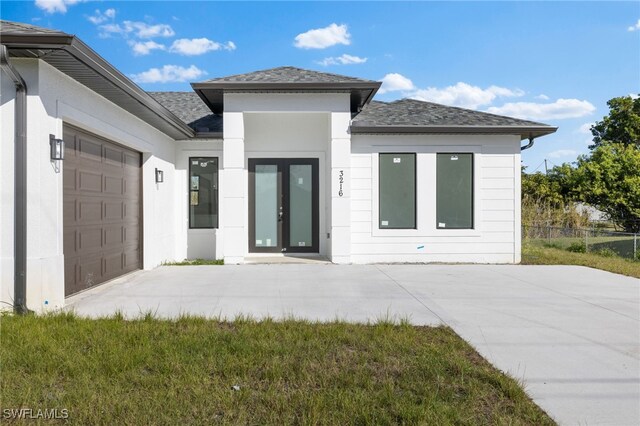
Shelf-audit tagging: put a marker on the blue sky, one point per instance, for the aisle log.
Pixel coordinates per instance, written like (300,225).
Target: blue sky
(554,62)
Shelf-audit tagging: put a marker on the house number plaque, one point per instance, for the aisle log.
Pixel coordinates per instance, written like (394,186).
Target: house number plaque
(341,183)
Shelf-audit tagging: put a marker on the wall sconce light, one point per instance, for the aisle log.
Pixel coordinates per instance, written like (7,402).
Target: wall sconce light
(159,176)
(57,148)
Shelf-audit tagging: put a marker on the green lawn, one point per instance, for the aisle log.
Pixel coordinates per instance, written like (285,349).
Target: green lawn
(621,245)
(537,254)
(150,371)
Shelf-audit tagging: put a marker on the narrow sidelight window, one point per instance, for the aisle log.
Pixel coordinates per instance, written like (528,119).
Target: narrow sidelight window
(454,191)
(203,192)
(397,176)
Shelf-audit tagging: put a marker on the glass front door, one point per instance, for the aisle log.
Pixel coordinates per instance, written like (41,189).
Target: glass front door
(283,205)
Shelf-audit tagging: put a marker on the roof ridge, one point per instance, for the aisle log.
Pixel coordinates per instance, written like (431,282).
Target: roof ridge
(279,75)
(28,27)
(467,110)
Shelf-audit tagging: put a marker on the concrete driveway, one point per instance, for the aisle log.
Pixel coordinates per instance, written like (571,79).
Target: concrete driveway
(572,334)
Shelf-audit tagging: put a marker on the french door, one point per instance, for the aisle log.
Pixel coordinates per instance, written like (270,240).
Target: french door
(283,205)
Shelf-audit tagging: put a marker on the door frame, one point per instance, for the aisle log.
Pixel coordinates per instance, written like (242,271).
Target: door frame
(283,194)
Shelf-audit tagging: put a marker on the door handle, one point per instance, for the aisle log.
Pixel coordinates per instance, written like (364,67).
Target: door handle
(280,215)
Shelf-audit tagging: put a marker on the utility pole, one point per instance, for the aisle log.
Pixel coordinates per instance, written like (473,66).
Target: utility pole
(546,169)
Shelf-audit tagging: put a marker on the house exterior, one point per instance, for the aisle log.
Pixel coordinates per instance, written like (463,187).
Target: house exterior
(279,162)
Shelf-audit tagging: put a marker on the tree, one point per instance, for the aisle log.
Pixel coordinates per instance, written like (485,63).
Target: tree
(609,179)
(622,125)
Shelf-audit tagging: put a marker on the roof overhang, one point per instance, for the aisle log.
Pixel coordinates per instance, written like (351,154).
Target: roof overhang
(525,132)
(71,56)
(212,93)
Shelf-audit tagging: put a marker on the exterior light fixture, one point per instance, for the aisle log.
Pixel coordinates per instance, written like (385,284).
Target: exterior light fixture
(57,148)
(159,176)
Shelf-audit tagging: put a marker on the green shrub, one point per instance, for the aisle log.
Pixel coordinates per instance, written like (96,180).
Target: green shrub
(577,248)
(606,252)
(553,245)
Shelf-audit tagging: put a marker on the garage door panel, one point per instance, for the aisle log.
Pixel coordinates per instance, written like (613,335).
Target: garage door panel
(89,210)
(131,212)
(113,156)
(132,162)
(70,146)
(131,186)
(101,210)
(113,264)
(90,150)
(89,181)
(68,175)
(70,245)
(113,210)
(113,237)
(89,239)
(131,237)
(71,276)
(131,260)
(90,271)
(114,185)
(69,212)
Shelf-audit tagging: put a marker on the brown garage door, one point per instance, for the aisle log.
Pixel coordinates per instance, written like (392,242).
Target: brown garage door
(101,210)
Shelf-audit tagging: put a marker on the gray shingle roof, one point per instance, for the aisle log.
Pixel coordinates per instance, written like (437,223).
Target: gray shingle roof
(10,27)
(288,75)
(191,109)
(411,112)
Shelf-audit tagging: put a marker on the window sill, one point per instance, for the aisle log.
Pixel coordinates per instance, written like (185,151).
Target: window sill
(376,232)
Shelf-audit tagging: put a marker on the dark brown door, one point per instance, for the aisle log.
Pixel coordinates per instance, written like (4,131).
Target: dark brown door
(102,205)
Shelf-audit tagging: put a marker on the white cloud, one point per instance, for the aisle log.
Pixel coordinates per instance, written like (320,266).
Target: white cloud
(394,82)
(53,6)
(342,60)
(169,74)
(635,27)
(321,38)
(141,48)
(139,29)
(464,95)
(563,153)
(562,108)
(198,46)
(585,129)
(99,17)
(543,97)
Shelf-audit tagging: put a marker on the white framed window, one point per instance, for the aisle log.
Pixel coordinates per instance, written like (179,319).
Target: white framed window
(426,191)
(454,191)
(397,191)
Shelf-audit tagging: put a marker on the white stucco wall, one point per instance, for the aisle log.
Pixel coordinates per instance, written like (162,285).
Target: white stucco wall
(496,234)
(54,99)
(7,134)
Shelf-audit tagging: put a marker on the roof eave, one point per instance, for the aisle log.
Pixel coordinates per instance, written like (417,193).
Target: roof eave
(524,132)
(209,135)
(37,41)
(212,92)
(86,56)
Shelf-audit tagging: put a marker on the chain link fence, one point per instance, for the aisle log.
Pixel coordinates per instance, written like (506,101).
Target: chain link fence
(604,242)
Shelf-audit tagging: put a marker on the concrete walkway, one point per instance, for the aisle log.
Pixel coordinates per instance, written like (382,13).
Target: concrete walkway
(572,334)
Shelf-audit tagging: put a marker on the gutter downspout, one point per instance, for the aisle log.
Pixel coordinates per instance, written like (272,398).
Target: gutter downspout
(529,145)
(20,181)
